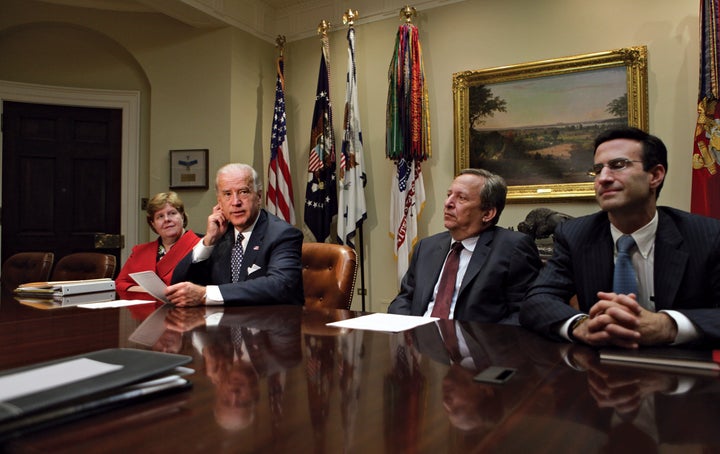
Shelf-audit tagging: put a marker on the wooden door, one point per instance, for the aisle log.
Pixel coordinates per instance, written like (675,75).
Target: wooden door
(61,169)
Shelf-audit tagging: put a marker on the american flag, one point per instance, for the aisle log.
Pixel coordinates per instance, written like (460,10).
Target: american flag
(407,199)
(321,190)
(352,176)
(280,192)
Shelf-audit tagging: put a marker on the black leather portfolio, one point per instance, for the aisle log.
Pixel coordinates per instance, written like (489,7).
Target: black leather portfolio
(134,375)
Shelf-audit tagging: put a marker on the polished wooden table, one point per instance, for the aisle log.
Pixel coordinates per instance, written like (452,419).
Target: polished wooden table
(277,379)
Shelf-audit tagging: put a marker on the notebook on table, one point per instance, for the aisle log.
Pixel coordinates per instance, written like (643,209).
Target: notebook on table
(45,394)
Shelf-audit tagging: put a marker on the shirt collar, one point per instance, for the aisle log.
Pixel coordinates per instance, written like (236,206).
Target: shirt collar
(644,236)
(468,243)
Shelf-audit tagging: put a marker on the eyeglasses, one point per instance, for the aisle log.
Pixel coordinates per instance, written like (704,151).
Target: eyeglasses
(613,165)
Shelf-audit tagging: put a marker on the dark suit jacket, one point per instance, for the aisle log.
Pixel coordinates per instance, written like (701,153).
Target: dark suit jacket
(502,267)
(686,274)
(274,246)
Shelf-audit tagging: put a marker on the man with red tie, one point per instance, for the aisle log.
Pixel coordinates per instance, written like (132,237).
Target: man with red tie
(475,270)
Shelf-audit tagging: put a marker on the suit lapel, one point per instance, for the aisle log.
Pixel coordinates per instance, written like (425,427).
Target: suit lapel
(479,256)
(253,247)
(670,262)
(434,263)
(596,262)
(224,250)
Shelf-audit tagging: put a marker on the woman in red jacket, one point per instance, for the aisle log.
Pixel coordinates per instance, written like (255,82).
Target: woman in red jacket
(166,216)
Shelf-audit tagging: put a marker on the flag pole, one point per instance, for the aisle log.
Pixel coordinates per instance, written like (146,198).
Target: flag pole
(351,168)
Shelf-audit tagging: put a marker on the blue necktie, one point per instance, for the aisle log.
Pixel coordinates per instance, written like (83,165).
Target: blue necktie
(236,258)
(625,279)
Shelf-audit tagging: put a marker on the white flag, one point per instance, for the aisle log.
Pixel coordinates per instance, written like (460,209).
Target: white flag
(351,203)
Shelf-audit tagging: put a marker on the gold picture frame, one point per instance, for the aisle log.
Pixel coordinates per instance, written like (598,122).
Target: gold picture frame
(534,123)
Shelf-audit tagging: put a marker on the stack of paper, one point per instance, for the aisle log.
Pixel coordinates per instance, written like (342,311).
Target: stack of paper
(64,292)
(54,302)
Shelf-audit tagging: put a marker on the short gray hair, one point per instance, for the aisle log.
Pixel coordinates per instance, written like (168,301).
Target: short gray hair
(493,193)
(236,167)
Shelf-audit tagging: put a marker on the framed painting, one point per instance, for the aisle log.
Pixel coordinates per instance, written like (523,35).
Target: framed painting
(189,169)
(534,123)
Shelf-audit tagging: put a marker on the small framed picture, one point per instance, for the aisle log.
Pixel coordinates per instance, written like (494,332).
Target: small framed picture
(189,169)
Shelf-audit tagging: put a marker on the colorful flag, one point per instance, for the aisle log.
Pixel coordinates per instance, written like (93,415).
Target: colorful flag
(407,141)
(321,192)
(706,148)
(280,192)
(352,175)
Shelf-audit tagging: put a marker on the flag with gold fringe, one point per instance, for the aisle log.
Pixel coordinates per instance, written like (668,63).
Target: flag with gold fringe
(321,190)
(280,192)
(352,174)
(407,141)
(706,147)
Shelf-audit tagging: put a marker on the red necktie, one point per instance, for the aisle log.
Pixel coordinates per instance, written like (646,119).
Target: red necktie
(443,299)
(450,338)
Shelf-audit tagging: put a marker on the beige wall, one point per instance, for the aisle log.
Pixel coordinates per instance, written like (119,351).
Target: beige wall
(215,89)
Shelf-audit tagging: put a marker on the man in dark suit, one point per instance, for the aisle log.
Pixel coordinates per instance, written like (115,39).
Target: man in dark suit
(495,265)
(676,259)
(247,255)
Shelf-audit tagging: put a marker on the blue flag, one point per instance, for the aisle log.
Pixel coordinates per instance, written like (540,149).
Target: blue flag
(321,192)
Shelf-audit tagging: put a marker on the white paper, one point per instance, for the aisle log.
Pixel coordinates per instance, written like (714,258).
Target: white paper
(115,303)
(43,378)
(384,322)
(152,284)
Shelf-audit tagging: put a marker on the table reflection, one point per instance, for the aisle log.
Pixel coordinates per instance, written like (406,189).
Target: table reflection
(641,405)
(238,350)
(278,379)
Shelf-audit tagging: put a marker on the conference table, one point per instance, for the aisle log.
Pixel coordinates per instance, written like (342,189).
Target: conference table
(278,379)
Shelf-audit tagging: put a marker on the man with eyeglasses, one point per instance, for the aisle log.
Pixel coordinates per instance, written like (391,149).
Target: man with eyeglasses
(247,256)
(643,275)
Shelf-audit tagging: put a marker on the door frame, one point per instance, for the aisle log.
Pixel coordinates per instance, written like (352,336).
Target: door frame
(129,102)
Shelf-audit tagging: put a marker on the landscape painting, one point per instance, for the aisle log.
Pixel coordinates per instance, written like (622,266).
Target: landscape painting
(536,126)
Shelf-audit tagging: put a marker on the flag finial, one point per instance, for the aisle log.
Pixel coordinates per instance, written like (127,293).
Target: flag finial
(280,43)
(407,13)
(323,28)
(350,17)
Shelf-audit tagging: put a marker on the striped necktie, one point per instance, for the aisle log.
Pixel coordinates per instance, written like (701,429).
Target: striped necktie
(624,278)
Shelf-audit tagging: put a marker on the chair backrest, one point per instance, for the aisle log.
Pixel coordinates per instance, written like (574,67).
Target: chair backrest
(328,272)
(84,265)
(26,267)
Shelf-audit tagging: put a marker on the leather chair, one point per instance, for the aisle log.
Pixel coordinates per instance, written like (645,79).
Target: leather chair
(25,267)
(328,272)
(84,265)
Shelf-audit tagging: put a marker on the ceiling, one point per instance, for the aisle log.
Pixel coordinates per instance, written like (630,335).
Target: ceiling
(296,19)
